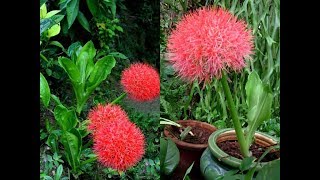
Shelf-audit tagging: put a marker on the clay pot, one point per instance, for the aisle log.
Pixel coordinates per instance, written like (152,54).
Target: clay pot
(215,162)
(189,152)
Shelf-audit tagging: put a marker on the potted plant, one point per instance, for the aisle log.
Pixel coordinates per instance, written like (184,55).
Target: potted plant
(191,138)
(212,51)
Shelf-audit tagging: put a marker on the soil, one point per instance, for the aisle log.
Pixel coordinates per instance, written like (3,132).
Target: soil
(201,136)
(233,149)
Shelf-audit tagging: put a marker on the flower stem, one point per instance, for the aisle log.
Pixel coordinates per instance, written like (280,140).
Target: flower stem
(234,116)
(119,98)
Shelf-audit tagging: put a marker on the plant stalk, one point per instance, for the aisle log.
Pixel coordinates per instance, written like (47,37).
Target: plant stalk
(234,116)
(123,95)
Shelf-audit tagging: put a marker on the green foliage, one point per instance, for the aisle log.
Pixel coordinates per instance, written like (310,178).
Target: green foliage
(66,25)
(259,100)
(85,76)
(44,90)
(169,156)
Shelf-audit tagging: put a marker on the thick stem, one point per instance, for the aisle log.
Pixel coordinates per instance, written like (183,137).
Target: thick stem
(119,98)
(234,115)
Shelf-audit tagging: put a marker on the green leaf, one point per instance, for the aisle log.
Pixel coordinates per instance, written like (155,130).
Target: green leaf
(59,172)
(269,171)
(185,133)
(51,13)
(100,72)
(118,55)
(42,2)
(83,21)
(71,146)
(54,30)
(75,132)
(93,7)
(71,69)
(85,60)
(47,23)
(188,171)
(83,128)
(63,4)
(58,44)
(52,142)
(246,163)
(44,91)
(72,11)
(66,119)
(169,156)
(49,127)
(259,100)
(56,99)
(43,11)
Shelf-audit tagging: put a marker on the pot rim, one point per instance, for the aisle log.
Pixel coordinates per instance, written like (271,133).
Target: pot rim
(187,145)
(230,160)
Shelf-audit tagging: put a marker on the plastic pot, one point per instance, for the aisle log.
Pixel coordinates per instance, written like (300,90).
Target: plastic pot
(189,152)
(215,162)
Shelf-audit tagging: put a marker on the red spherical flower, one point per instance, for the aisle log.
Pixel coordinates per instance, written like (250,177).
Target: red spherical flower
(119,145)
(207,41)
(141,82)
(104,114)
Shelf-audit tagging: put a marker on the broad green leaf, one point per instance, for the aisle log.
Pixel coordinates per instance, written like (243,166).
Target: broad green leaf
(63,4)
(101,70)
(59,172)
(71,146)
(113,8)
(72,11)
(52,142)
(259,100)
(85,60)
(83,21)
(75,132)
(74,50)
(58,44)
(83,128)
(43,11)
(188,171)
(44,90)
(56,99)
(66,119)
(49,22)
(246,163)
(54,30)
(51,13)
(119,28)
(42,2)
(118,55)
(45,24)
(169,156)
(93,6)
(49,127)
(269,171)
(71,69)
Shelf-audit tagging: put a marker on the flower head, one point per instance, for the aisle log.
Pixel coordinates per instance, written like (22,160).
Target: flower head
(141,81)
(104,114)
(207,41)
(119,144)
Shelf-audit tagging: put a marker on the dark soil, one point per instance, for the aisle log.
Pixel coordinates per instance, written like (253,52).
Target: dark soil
(201,136)
(233,149)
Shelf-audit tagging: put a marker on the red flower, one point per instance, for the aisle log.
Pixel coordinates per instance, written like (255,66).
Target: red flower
(207,41)
(119,144)
(141,82)
(104,114)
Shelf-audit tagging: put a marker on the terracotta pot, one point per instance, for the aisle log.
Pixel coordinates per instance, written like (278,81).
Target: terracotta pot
(215,162)
(189,152)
